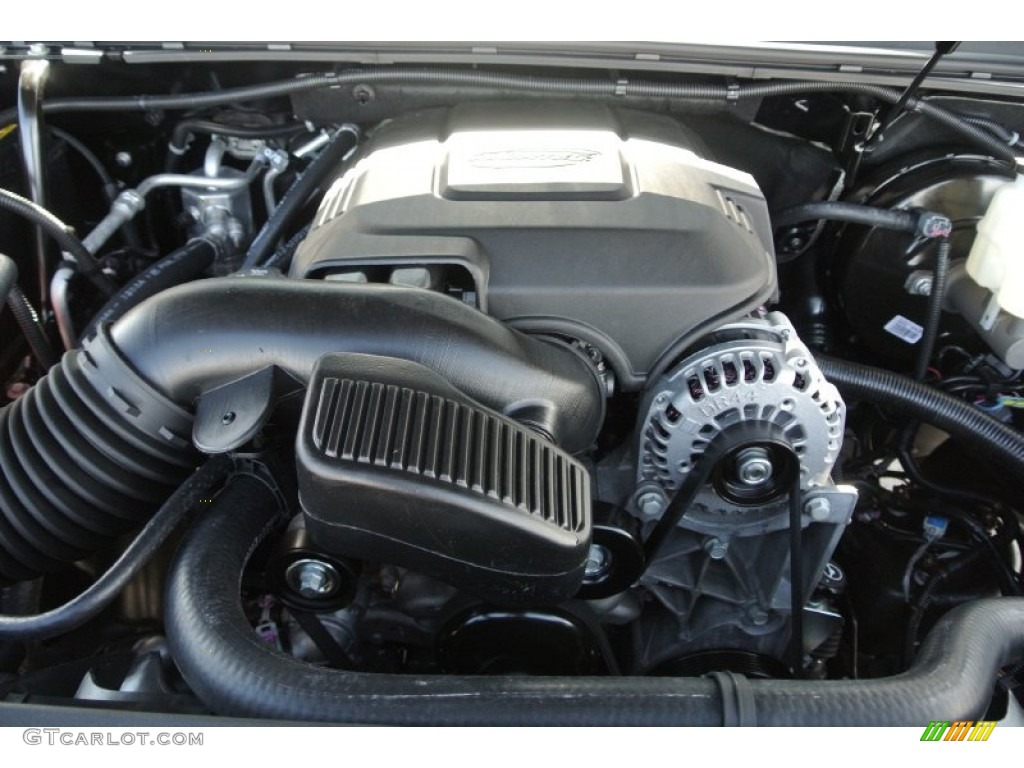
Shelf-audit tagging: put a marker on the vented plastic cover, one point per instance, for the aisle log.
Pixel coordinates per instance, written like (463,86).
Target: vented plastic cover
(397,466)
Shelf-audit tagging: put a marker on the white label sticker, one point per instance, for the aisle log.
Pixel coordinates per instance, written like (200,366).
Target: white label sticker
(906,330)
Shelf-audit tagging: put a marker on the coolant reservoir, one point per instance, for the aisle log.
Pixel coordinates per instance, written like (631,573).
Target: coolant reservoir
(996,261)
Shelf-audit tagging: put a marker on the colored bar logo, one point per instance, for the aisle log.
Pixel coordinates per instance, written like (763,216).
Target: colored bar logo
(961,730)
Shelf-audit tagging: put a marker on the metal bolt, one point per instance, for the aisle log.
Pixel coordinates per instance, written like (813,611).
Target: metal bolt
(919,283)
(599,561)
(651,504)
(819,509)
(123,159)
(754,466)
(312,579)
(758,616)
(716,548)
(227,418)
(364,94)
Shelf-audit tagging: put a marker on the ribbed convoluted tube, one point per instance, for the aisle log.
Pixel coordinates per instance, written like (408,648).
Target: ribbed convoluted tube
(997,441)
(82,464)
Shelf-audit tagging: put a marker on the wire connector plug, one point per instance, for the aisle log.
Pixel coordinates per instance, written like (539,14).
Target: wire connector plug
(932,226)
(934,527)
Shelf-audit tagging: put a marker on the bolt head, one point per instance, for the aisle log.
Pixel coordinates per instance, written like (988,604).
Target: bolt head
(919,283)
(818,509)
(599,561)
(758,616)
(364,94)
(312,579)
(754,467)
(123,159)
(651,504)
(715,548)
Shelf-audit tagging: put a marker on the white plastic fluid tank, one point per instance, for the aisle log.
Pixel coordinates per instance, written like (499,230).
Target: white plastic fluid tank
(996,261)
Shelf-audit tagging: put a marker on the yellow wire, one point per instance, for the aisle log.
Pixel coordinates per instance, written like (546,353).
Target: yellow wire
(7,130)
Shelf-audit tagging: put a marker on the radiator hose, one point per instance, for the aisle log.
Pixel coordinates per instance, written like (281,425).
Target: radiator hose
(96,446)
(952,678)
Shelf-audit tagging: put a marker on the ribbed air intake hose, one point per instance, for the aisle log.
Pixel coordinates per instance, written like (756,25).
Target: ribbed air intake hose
(952,679)
(82,462)
(96,446)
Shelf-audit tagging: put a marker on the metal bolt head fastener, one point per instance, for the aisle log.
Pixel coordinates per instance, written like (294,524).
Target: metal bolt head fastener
(599,561)
(651,504)
(754,466)
(919,283)
(312,579)
(818,508)
(716,548)
(758,616)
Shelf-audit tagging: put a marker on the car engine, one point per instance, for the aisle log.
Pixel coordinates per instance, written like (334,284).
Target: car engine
(412,395)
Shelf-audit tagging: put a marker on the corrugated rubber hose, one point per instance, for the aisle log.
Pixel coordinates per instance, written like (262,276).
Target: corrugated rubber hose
(933,319)
(974,428)
(24,313)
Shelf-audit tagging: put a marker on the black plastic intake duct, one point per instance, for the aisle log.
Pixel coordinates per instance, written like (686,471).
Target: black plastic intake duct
(97,445)
(952,679)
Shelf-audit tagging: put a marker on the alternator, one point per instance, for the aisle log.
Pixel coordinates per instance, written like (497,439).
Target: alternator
(756,370)
(752,420)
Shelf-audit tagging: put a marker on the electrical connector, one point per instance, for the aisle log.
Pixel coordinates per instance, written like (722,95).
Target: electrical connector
(934,527)
(933,225)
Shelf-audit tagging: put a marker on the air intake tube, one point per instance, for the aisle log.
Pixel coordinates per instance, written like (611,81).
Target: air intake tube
(98,444)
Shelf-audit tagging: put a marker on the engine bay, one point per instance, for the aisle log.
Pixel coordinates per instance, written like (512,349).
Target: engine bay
(411,395)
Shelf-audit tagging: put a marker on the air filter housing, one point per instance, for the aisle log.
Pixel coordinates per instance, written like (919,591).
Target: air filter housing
(395,465)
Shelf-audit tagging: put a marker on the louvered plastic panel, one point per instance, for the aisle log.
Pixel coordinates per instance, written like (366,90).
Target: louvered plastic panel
(395,465)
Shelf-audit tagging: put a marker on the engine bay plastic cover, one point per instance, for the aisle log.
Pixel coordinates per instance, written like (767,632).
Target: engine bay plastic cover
(396,465)
(603,224)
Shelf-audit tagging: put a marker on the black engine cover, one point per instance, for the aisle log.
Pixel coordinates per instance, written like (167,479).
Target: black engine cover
(397,466)
(602,224)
